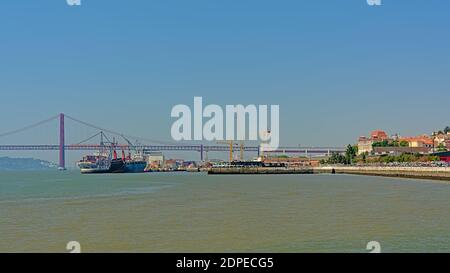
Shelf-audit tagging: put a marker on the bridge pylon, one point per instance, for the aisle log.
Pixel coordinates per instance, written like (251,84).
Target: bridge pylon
(62,154)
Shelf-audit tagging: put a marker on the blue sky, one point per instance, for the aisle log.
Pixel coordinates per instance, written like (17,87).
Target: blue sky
(338,69)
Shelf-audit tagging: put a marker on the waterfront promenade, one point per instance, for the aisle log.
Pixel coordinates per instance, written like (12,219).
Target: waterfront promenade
(435,173)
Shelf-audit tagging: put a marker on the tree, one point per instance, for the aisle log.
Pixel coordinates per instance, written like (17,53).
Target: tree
(404,143)
(335,158)
(364,157)
(441,148)
(350,154)
(386,143)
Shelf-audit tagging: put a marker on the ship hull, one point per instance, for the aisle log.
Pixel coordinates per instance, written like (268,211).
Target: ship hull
(135,166)
(116,166)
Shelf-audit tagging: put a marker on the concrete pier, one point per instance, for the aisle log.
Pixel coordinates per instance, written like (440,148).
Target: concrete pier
(217,171)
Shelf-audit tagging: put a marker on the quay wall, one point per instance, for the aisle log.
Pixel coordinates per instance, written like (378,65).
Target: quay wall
(217,171)
(438,173)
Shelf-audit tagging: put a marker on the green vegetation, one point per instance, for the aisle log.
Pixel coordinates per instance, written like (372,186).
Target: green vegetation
(403,158)
(350,154)
(395,143)
(281,156)
(383,143)
(404,143)
(441,148)
(335,158)
(347,159)
(351,158)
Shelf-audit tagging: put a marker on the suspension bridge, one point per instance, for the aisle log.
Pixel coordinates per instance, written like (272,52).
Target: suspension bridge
(157,146)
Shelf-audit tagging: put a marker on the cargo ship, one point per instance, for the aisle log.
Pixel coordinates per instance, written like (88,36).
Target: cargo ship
(136,164)
(106,160)
(101,163)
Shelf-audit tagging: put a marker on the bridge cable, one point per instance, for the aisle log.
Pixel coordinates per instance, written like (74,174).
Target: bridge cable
(117,133)
(29,126)
(89,138)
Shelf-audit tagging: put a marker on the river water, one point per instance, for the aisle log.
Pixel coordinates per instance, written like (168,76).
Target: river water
(42,211)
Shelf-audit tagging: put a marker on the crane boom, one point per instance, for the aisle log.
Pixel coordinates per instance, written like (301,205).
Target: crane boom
(231,143)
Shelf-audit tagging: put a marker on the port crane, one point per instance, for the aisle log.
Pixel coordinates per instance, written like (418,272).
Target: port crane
(132,146)
(232,145)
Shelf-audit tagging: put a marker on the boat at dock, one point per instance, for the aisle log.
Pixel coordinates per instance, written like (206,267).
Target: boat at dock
(107,161)
(136,164)
(98,163)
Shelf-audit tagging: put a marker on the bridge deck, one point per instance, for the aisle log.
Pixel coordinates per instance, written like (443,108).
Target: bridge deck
(196,148)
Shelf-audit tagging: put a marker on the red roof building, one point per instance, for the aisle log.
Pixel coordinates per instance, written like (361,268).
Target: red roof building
(379,135)
(420,141)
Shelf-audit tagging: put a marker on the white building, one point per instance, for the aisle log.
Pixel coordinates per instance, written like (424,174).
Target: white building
(155,157)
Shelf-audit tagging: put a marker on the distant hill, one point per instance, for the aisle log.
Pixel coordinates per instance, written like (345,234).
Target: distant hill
(24,164)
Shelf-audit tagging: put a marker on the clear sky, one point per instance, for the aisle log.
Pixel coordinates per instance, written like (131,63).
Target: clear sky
(338,69)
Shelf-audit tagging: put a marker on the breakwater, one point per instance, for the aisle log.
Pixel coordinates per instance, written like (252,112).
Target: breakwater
(437,173)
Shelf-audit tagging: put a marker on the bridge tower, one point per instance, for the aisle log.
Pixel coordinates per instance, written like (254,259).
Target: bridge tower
(62,155)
